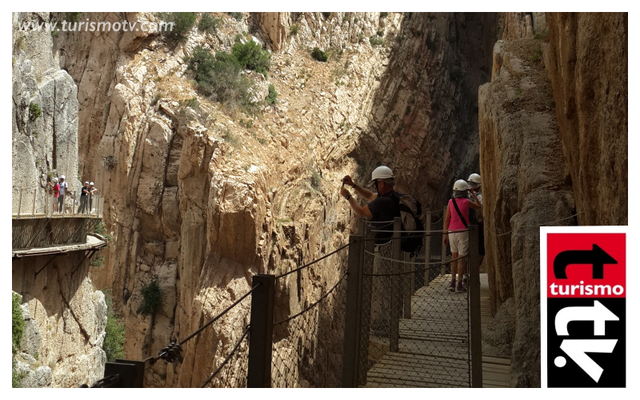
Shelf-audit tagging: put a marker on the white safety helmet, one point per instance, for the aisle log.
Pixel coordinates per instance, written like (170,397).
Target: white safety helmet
(90,183)
(460,188)
(474,181)
(62,177)
(55,180)
(381,172)
(86,182)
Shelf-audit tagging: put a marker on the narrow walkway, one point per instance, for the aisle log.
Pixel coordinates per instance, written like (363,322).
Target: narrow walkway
(433,353)
(495,370)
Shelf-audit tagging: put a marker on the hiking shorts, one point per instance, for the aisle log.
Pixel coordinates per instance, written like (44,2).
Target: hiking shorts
(459,242)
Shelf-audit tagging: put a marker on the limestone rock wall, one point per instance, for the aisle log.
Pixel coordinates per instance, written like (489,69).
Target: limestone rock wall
(45,146)
(588,67)
(65,319)
(553,150)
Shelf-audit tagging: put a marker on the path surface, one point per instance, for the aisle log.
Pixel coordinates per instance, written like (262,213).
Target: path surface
(433,351)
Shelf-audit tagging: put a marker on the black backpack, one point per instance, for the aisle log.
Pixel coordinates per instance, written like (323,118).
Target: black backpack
(411,213)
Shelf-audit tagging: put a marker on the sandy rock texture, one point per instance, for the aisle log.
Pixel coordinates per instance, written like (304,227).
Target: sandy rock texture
(46,145)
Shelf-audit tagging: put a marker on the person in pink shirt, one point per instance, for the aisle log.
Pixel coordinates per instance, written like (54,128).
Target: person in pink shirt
(456,222)
(56,191)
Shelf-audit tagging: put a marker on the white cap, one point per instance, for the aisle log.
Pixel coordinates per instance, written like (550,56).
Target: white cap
(61,176)
(91,183)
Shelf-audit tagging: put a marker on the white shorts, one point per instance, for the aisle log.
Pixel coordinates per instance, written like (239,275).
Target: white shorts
(459,242)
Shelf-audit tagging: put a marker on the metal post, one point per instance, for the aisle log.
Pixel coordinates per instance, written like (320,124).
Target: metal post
(427,248)
(395,307)
(352,313)
(367,293)
(33,210)
(443,252)
(474,308)
(259,371)
(19,201)
(407,280)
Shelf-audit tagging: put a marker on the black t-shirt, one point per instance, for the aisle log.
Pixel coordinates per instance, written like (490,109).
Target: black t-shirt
(385,208)
(85,191)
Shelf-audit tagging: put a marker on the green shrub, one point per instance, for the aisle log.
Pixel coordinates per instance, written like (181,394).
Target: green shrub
(326,15)
(113,343)
(34,111)
(316,180)
(97,262)
(151,298)
(182,23)
(16,377)
(319,55)
(17,323)
(72,17)
(236,15)
(251,56)
(272,97)
(384,15)
(208,23)
(376,40)
(294,29)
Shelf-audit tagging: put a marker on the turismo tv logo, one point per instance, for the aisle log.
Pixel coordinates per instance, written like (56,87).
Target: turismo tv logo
(585,319)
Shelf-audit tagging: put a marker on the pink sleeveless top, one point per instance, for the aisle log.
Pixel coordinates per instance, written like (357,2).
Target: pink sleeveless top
(455,223)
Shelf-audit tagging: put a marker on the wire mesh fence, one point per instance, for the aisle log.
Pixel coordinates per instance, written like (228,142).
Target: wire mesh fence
(414,332)
(44,232)
(308,341)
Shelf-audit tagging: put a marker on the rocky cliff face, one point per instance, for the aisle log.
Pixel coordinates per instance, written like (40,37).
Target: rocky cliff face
(44,118)
(65,316)
(200,198)
(542,156)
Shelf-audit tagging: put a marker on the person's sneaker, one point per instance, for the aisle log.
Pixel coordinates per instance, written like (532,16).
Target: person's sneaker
(461,288)
(452,287)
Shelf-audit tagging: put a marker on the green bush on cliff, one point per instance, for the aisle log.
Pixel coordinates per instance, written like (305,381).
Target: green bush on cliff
(17,323)
(34,111)
(251,56)
(114,331)
(182,23)
(208,23)
(319,55)
(151,298)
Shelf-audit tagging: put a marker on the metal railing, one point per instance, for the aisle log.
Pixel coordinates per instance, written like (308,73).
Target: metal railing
(38,203)
(371,320)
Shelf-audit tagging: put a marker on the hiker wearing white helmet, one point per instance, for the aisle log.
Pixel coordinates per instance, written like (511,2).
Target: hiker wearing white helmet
(475,185)
(92,191)
(56,191)
(456,224)
(63,192)
(84,196)
(382,204)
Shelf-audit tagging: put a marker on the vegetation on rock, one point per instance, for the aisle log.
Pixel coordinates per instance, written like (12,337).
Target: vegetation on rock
(17,323)
(114,331)
(319,55)
(34,111)
(208,23)
(151,298)
(182,24)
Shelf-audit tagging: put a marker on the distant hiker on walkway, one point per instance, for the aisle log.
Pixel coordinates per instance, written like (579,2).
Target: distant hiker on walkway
(456,223)
(63,191)
(56,190)
(92,191)
(84,195)
(475,185)
(382,206)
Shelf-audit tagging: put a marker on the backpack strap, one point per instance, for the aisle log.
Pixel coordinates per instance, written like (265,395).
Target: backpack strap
(459,213)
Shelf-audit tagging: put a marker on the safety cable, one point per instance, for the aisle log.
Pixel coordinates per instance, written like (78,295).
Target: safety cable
(314,304)
(533,226)
(219,315)
(438,265)
(313,262)
(410,262)
(246,332)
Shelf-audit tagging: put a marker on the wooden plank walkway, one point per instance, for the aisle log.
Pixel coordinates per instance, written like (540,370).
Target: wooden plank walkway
(433,345)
